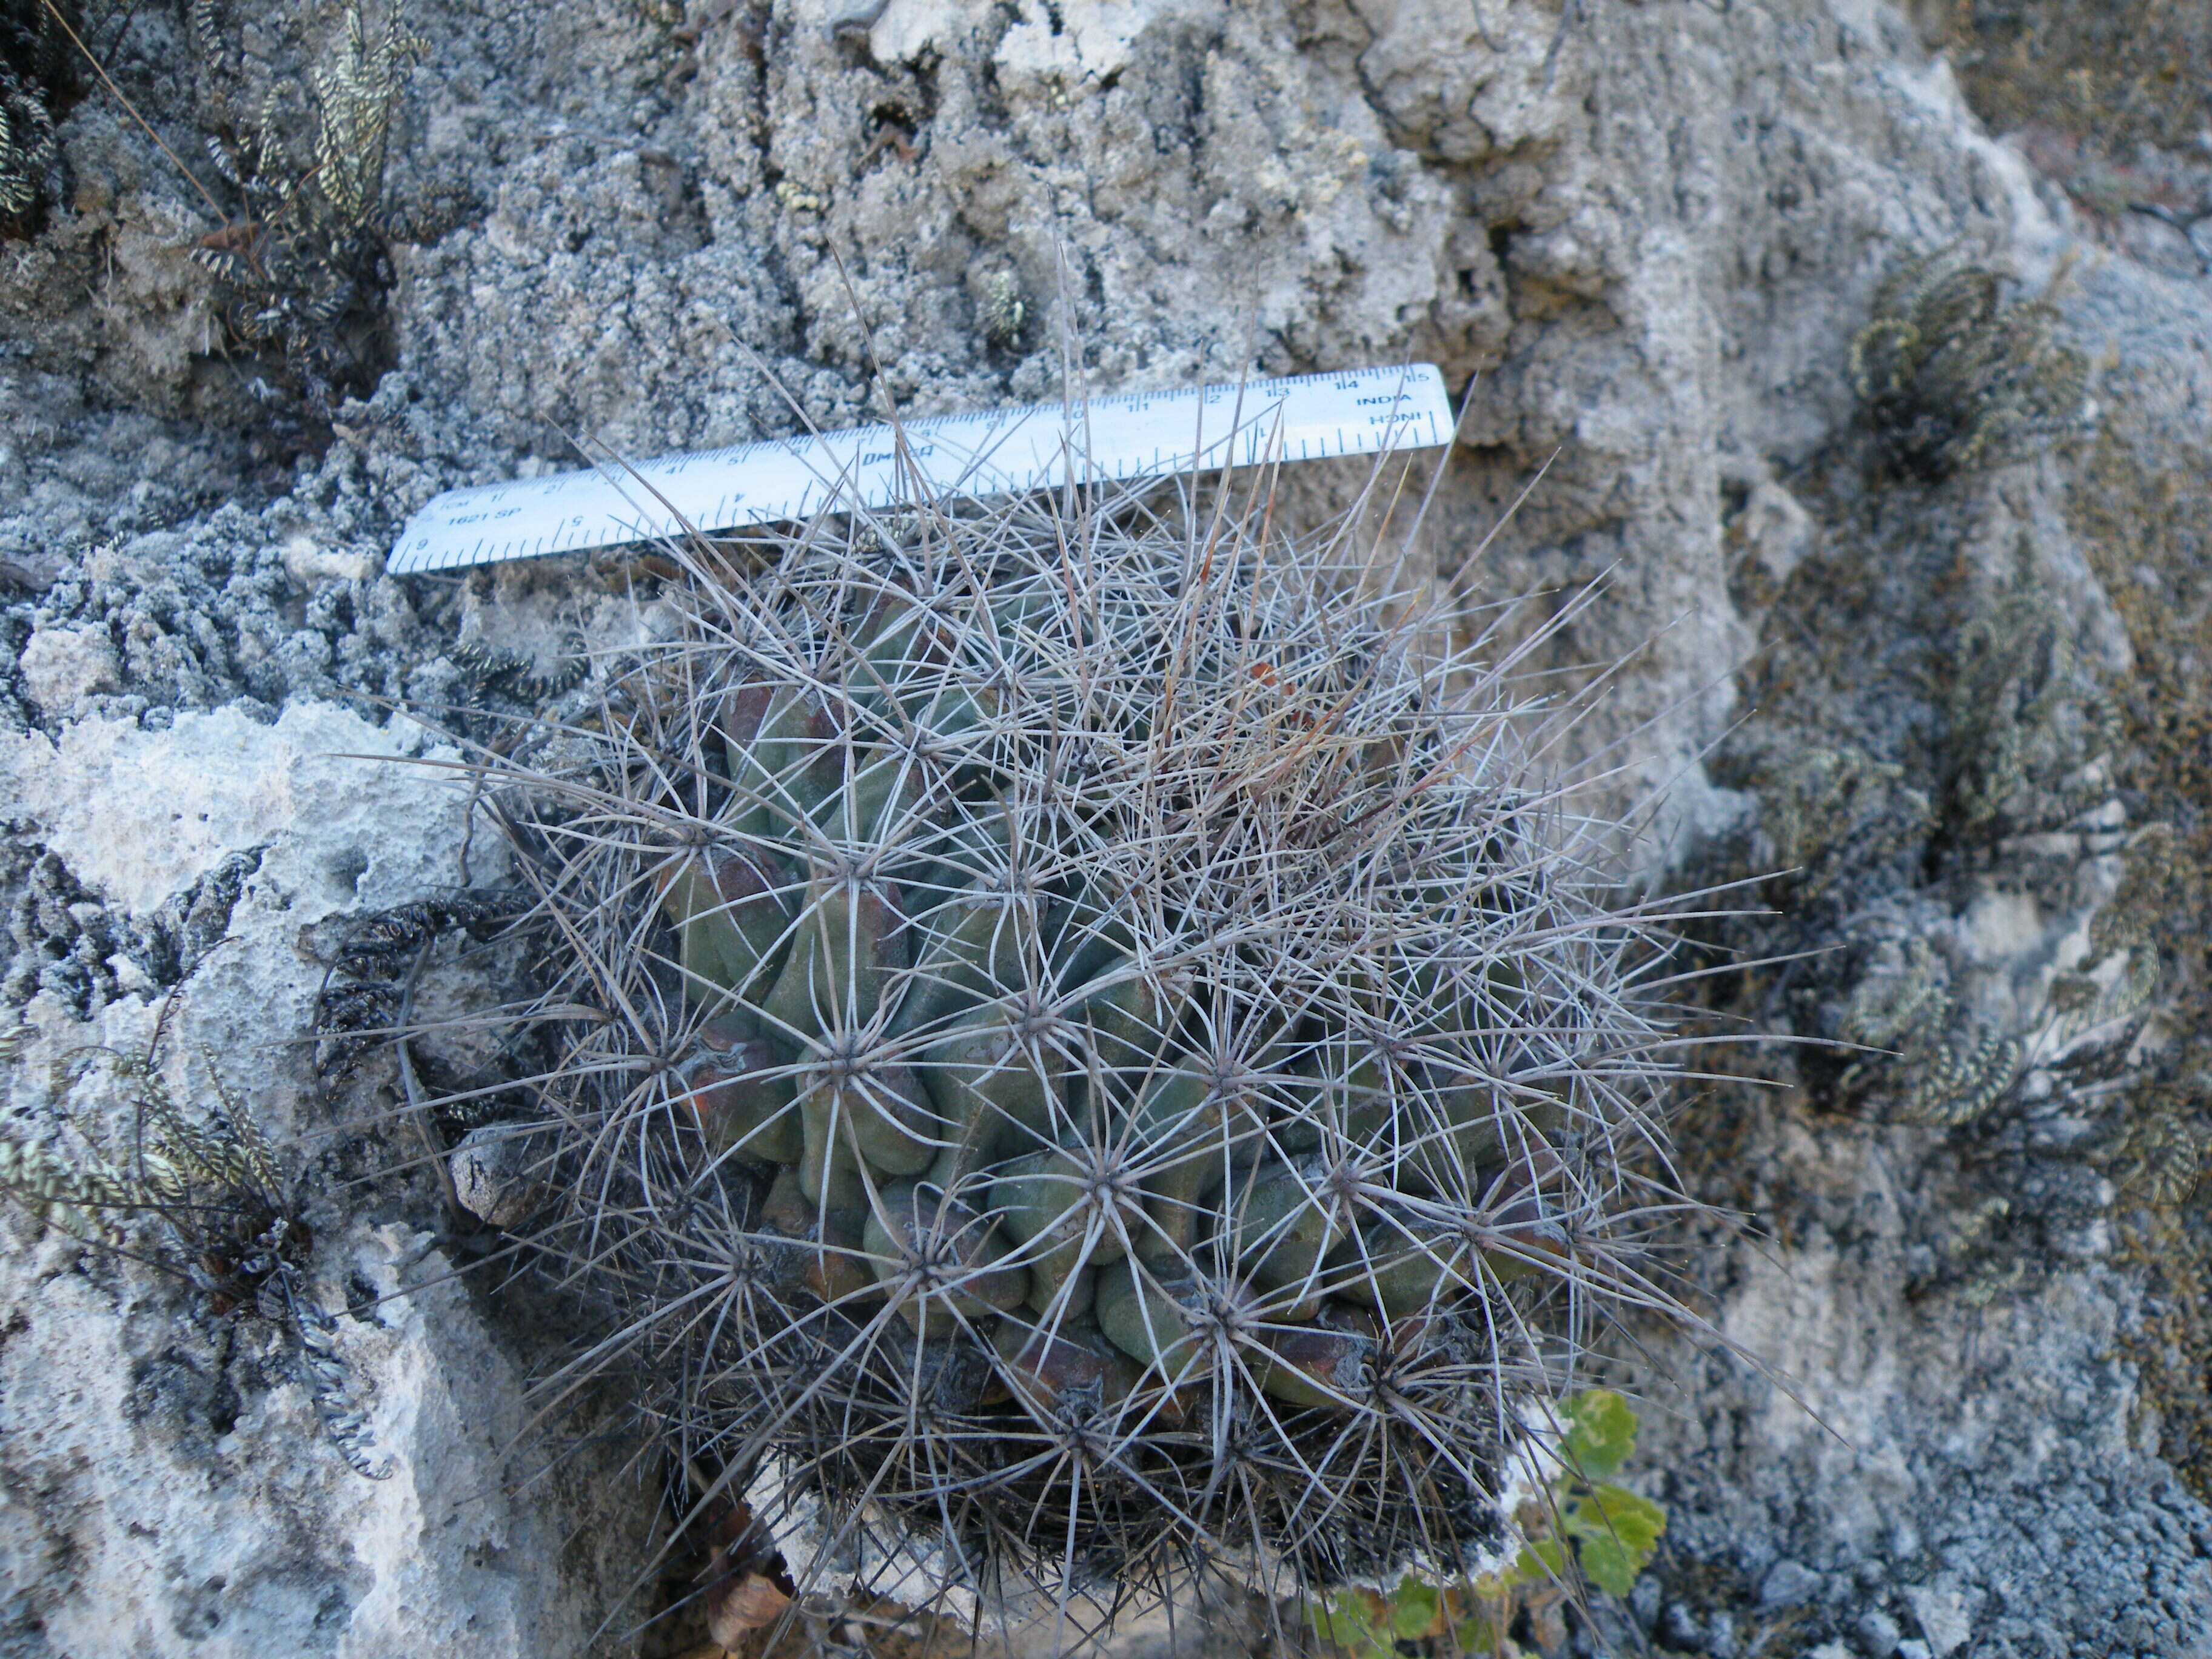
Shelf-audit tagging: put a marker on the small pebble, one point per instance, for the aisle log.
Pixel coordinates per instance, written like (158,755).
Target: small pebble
(1680,1627)
(1644,1603)
(856,17)
(493,1179)
(1942,1616)
(1878,1634)
(1788,1584)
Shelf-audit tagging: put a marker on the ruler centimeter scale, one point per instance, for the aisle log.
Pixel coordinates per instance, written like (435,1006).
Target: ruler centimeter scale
(1133,435)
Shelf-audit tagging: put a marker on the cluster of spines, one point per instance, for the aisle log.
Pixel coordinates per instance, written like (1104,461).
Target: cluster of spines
(1091,1027)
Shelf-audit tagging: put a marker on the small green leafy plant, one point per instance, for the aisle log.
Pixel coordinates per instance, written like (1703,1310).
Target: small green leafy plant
(1611,1531)
(1583,1525)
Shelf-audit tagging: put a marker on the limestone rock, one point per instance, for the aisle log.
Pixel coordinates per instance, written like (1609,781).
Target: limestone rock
(1643,235)
(63,667)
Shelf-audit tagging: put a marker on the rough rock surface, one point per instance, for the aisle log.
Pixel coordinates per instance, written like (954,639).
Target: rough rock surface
(168,1487)
(1957,704)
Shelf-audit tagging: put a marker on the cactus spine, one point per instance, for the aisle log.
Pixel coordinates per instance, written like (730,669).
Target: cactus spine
(1097,1051)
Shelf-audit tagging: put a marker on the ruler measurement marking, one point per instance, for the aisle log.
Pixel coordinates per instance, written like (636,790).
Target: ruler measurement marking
(1288,417)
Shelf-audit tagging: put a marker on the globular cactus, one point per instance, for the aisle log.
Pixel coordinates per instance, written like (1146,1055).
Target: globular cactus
(1078,1038)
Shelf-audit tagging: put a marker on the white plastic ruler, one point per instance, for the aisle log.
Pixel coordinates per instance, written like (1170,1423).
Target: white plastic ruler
(1135,435)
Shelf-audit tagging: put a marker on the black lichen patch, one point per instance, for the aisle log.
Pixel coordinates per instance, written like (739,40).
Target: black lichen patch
(1840,830)
(63,937)
(507,684)
(178,936)
(66,940)
(364,996)
(212,616)
(1915,1055)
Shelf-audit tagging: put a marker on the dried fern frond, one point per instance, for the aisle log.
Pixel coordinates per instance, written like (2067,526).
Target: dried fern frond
(304,252)
(355,95)
(35,85)
(206,1190)
(71,1195)
(1952,375)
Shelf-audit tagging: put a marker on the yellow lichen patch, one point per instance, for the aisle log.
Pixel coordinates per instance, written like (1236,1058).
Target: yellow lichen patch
(2131,71)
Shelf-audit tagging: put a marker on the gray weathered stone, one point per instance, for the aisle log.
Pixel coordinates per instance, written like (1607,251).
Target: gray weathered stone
(1648,232)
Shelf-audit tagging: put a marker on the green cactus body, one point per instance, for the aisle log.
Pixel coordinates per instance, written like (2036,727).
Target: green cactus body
(1289,1223)
(946,1261)
(887,1119)
(1088,932)
(1403,1268)
(815,1253)
(1462,1132)
(829,1170)
(1117,1006)
(733,927)
(1050,1204)
(782,754)
(980,940)
(1191,1132)
(898,647)
(1146,1318)
(998,1090)
(1071,1360)
(1129,1021)
(1319,1365)
(854,943)
(745,1100)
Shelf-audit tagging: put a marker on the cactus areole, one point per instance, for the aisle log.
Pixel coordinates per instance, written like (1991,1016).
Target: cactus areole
(1076,1037)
